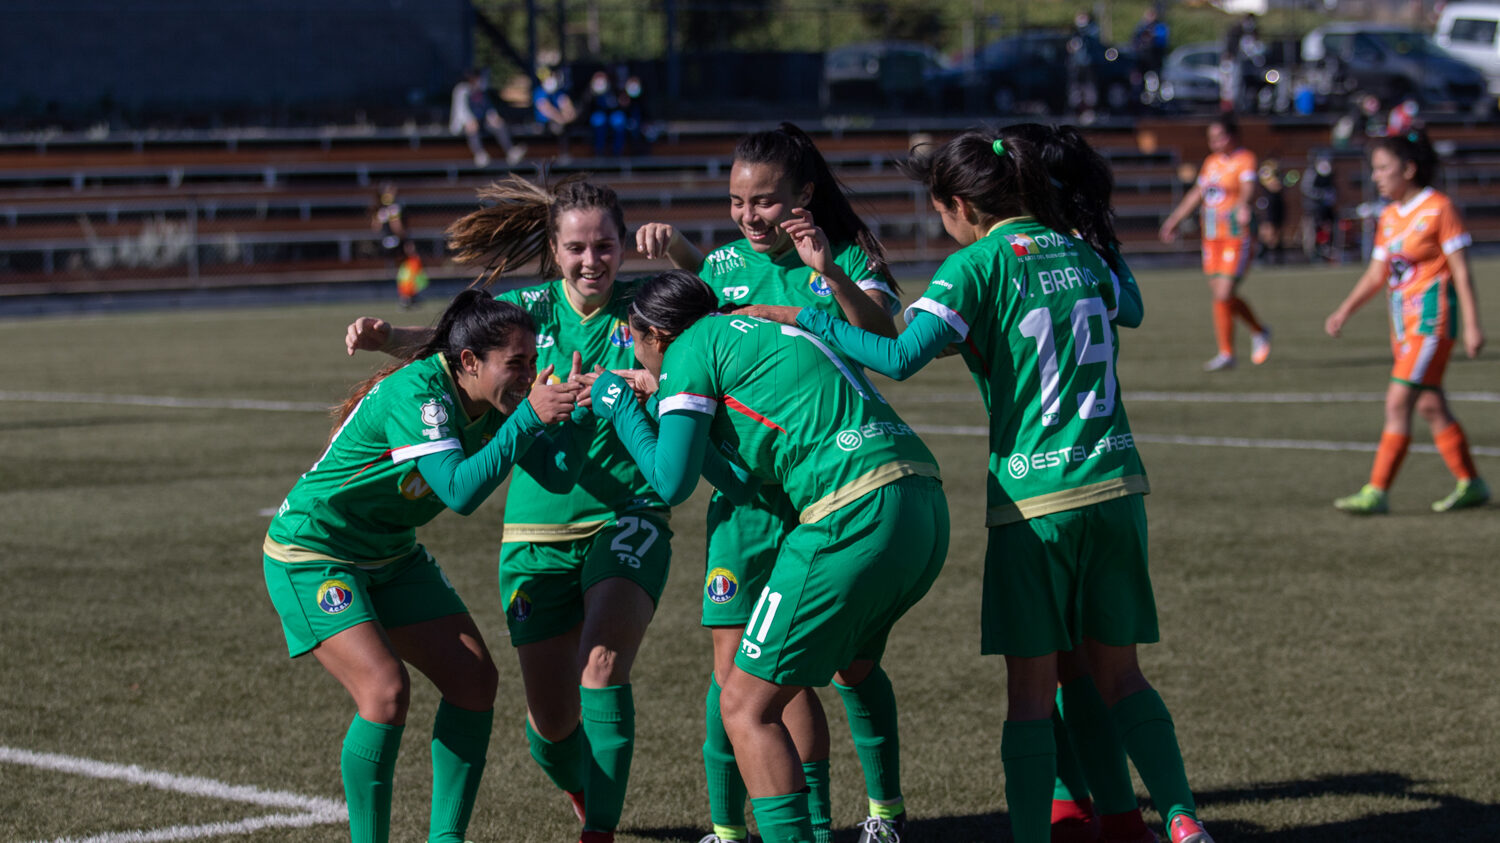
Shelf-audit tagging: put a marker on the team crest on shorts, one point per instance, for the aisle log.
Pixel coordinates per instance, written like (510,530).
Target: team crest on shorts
(819,286)
(721,585)
(334,596)
(520,605)
(621,337)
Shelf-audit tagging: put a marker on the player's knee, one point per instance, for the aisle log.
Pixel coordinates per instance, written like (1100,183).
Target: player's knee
(605,666)
(385,696)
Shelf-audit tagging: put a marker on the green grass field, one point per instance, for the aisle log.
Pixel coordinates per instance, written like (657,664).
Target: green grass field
(1332,678)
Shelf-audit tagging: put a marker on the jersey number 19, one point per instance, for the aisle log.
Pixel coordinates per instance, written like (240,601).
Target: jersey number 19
(1088,348)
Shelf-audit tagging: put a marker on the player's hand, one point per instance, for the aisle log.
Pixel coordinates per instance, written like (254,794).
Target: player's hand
(1473,340)
(784,314)
(640,380)
(654,239)
(1167,233)
(610,393)
(553,402)
(367,333)
(1242,215)
(1334,324)
(810,241)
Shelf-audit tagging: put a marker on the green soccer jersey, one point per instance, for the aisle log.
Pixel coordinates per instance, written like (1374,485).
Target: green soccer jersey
(1032,309)
(610,482)
(740,275)
(364,498)
(797,413)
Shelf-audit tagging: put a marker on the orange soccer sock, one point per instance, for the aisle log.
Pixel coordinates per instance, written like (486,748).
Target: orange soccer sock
(1242,310)
(1224,326)
(1454,447)
(1388,459)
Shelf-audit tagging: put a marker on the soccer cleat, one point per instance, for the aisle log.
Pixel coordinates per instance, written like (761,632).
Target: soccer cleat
(1466,494)
(577,799)
(1185,829)
(1074,821)
(714,838)
(880,830)
(609,837)
(481,159)
(1260,346)
(1367,501)
(514,155)
(1219,362)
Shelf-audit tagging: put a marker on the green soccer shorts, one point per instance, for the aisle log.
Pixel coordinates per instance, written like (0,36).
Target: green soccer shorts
(542,583)
(742,545)
(1053,580)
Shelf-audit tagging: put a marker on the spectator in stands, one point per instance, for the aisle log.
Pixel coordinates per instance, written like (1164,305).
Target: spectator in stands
(1149,40)
(1083,85)
(389,220)
(1319,209)
(606,117)
(472,111)
(554,108)
(1270,210)
(633,103)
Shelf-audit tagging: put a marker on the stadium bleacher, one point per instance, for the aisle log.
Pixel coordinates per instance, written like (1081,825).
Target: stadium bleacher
(173,211)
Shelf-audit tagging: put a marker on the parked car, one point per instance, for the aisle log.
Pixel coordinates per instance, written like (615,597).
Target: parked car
(1391,63)
(879,75)
(1189,78)
(1029,72)
(1471,31)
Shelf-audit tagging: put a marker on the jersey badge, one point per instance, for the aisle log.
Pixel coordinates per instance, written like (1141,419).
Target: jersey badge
(819,286)
(414,486)
(849,440)
(434,413)
(1021,244)
(721,585)
(545,340)
(735,293)
(621,337)
(334,596)
(1018,466)
(520,605)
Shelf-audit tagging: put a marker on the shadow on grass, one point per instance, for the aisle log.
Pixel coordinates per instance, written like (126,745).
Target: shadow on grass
(1452,819)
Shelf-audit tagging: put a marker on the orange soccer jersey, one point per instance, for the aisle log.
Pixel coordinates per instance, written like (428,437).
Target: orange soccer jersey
(1226,180)
(1414,240)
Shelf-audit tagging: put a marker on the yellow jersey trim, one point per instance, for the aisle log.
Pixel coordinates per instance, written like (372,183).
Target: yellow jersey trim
(293,555)
(1067,499)
(864,484)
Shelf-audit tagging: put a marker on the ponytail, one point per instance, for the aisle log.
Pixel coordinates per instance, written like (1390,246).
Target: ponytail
(793,152)
(1000,173)
(1412,147)
(1083,185)
(474,320)
(520,224)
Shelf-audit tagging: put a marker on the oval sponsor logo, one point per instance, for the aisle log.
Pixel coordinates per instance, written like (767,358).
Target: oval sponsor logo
(849,440)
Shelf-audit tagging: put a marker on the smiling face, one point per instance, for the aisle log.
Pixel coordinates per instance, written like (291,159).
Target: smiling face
(500,377)
(760,200)
(1393,177)
(587,249)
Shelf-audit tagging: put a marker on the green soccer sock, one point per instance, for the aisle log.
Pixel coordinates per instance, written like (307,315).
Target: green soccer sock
(726,789)
(367,763)
(1145,728)
(871,707)
(609,723)
(1070,785)
(819,801)
(460,739)
(783,819)
(1029,756)
(1100,751)
(565,762)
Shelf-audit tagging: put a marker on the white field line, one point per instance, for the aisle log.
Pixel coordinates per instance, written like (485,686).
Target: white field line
(310,810)
(1138,396)
(940,430)
(1220,441)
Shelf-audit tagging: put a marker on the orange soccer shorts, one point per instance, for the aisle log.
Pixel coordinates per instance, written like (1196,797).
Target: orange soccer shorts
(1421,359)
(1226,256)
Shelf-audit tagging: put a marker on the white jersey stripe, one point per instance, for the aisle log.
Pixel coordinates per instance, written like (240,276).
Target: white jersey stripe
(941,311)
(688,401)
(411,452)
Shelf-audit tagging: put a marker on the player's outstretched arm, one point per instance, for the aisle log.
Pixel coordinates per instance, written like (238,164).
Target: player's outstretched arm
(462,483)
(658,240)
(671,458)
(371,333)
(1366,288)
(899,358)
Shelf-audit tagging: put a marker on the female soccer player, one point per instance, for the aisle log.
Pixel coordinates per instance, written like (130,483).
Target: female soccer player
(780,190)
(353,586)
(1226,189)
(1421,254)
(580,570)
(873,523)
(1066,564)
